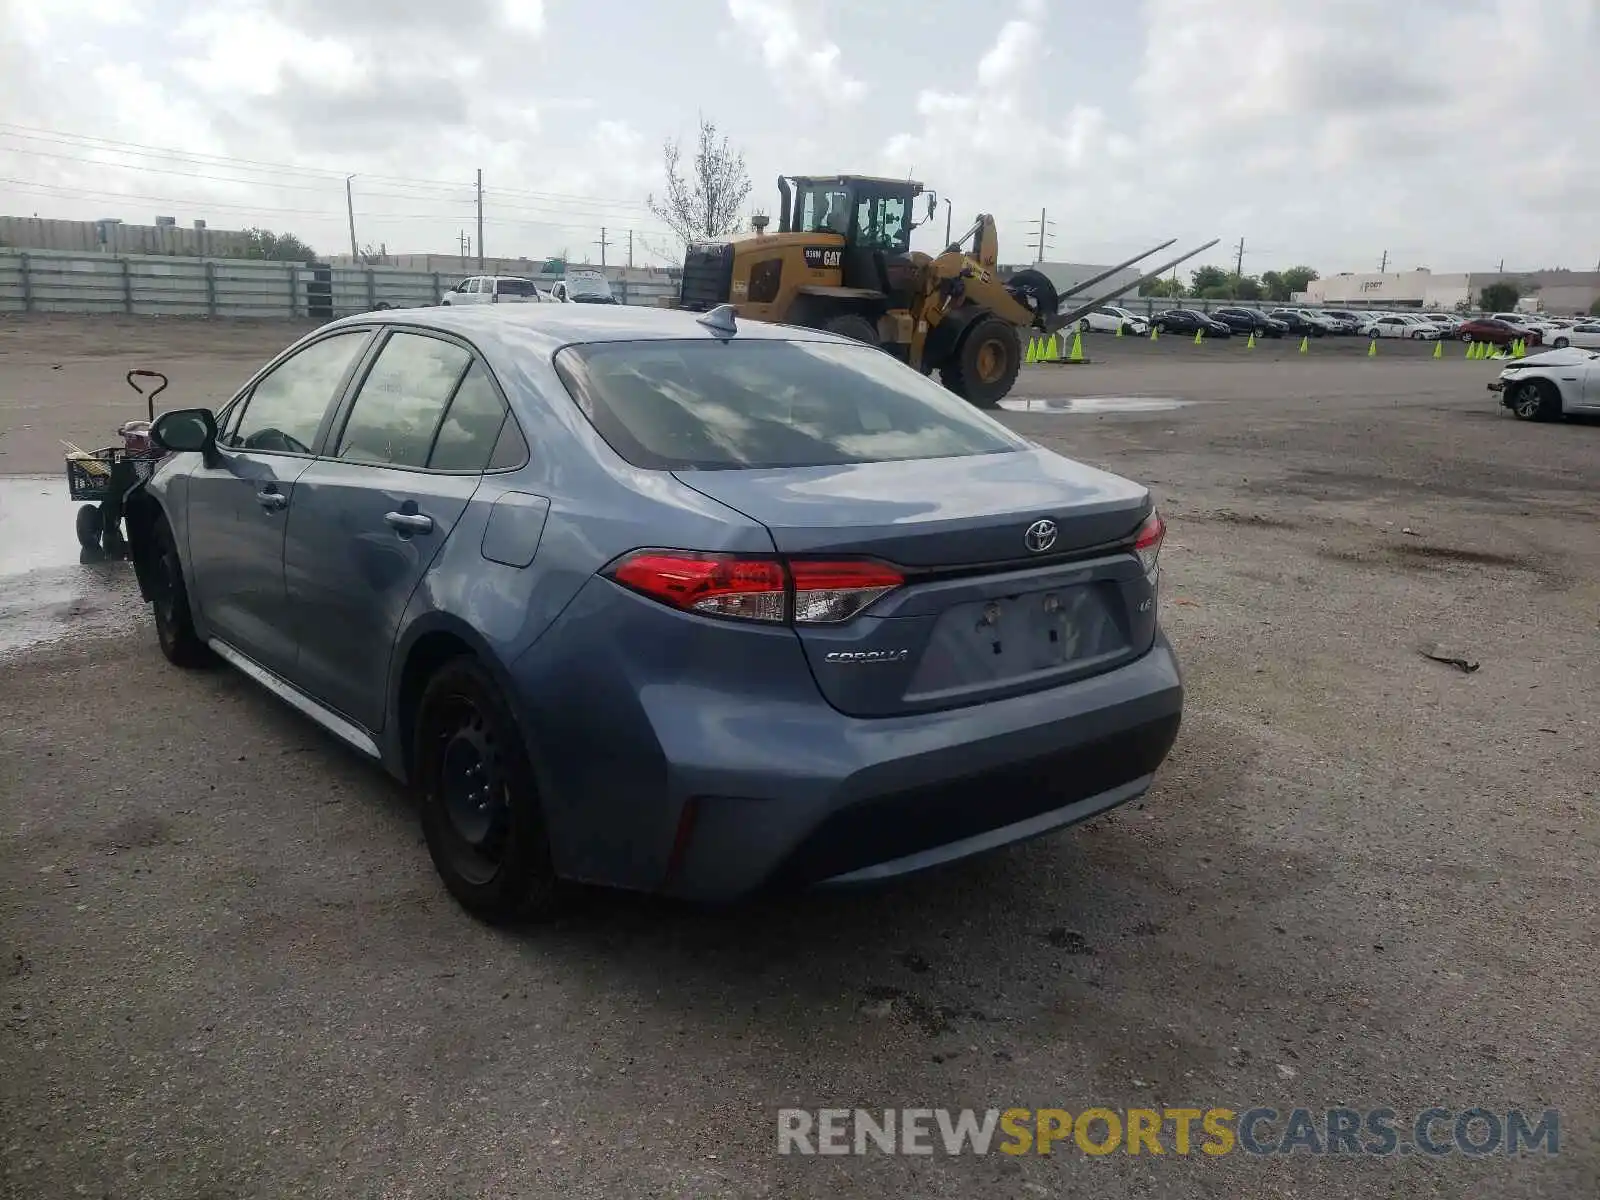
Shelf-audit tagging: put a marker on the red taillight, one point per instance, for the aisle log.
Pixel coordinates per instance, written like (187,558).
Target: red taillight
(757,589)
(719,585)
(1147,543)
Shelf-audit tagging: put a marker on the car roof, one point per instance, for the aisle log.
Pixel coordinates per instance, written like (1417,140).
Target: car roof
(517,328)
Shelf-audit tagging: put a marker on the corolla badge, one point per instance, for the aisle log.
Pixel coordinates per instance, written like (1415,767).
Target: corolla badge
(1041,535)
(867,656)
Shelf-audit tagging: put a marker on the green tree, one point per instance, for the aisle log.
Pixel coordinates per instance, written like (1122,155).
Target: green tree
(280,247)
(1245,287)
(1171,288)
(1205,280)
(1280,286)
(1499,297)
(1594,309)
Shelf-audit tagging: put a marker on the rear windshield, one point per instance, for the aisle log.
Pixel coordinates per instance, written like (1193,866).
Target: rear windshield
(713,405)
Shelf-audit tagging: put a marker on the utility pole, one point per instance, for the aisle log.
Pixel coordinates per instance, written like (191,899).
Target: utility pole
(1384,265)
(350,207)
(1238,262)
(630,249)
(463,245)
(1044,235)
(603,243)
(480,219)
(1501,269)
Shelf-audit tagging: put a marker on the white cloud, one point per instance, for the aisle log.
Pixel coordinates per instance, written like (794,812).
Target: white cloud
(525,16)
(785,49)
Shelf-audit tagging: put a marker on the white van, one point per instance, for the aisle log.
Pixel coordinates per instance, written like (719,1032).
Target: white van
(583,287)
(494,289)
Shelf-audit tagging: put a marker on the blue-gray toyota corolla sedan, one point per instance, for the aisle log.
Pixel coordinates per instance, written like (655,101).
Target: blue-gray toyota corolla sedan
(671,603)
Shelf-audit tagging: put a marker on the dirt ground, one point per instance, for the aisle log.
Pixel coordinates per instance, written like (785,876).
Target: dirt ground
(1364,878)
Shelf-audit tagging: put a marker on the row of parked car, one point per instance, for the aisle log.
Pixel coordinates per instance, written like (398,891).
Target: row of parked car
(1497,328)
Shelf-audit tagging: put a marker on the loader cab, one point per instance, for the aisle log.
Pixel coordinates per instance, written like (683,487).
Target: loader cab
(874,217)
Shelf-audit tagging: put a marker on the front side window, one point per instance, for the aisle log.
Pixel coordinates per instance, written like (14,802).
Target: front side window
(824,210)
(709,405)
(286,407)
(401,401)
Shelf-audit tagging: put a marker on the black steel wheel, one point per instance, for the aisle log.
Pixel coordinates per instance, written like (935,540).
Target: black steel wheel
(480,805)
(170,603)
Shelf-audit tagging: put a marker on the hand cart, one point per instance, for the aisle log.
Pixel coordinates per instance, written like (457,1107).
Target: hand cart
(103,479)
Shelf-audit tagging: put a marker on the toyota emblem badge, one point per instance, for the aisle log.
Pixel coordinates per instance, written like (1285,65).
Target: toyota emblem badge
(1041,535)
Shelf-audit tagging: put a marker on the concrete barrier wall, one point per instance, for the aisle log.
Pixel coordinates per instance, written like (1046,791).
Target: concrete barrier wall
(172,285)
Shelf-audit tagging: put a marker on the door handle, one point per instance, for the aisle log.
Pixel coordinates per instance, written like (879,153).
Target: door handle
(272,501)
(405,522)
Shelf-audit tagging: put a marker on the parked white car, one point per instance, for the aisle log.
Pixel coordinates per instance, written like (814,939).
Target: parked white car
(1108,318)
(1553,384)
(1585,336)
(1445,321)
(494,289)
(1396,325)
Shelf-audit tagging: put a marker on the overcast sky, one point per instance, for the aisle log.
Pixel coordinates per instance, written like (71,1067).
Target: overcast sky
(1450,133)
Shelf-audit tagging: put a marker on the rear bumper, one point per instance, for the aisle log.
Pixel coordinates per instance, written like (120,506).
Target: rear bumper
(889,797)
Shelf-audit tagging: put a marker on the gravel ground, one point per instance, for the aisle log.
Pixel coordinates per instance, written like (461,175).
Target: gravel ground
(1364,878)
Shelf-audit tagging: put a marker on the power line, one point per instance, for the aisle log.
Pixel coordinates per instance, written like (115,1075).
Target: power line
(330,175)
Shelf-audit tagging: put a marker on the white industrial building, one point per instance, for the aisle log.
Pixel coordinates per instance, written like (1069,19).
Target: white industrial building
(1556,292)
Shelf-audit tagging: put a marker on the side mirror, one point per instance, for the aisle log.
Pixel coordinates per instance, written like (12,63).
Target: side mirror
(186,430)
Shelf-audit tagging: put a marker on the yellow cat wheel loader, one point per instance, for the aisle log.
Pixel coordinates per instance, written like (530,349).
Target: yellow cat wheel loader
(841,260)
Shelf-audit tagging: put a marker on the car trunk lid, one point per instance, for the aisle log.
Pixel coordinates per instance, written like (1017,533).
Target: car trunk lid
(1019,572)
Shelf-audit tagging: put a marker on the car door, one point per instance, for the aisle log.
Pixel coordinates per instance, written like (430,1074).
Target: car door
(371,514)
(238,506)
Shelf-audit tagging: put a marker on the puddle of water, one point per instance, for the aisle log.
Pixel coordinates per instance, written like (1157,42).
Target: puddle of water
(1091,404)
(36,524)
(49,588)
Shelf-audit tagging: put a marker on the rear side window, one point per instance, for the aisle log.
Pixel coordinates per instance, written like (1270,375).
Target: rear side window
(712,405)
(515,287)
(471,428)
(401,401)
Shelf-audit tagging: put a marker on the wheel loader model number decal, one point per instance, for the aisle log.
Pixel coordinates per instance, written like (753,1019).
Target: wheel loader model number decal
(822,258)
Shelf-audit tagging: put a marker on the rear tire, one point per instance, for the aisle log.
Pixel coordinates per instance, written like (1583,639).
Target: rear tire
(1534,400)
(88,522)
(854,326)
(481,814)
(1083,325)
(985,363)
(1561,343)
(170,603)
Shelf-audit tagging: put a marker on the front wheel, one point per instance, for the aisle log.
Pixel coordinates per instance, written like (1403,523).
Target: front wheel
(170,603)
(985,364)
(481,814)
(1533,401)
(1561,343)
(853,326)
(1083,325)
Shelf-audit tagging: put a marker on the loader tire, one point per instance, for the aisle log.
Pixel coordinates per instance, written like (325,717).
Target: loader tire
(985,363)
(1036,291)
(853,326)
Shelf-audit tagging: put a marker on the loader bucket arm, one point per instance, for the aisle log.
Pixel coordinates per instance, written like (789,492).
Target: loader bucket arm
(1070,316)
